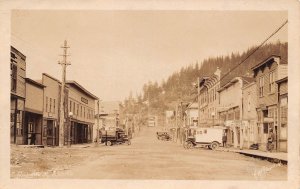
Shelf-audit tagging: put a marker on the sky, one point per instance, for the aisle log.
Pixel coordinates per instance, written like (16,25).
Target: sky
(114,52)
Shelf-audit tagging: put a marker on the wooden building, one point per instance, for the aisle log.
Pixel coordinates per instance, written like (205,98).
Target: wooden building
(33,112)
(81,111)
(283,114)
(17,95)
(266,73)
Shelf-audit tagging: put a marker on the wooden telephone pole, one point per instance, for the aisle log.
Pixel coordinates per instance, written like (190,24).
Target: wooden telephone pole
(63,104)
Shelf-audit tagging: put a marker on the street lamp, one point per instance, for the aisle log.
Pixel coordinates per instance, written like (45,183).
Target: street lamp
(70,127)
(213,116)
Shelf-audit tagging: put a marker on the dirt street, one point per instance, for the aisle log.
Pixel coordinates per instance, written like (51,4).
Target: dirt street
(146,158)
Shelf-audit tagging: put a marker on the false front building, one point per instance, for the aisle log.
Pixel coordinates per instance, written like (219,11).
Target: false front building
(17,95)
(81,111)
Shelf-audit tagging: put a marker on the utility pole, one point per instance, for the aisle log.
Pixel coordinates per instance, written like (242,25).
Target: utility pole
(198,97)
(98,115)
(64,64)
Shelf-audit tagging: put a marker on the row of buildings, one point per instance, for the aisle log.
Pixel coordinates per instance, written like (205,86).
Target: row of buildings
(35,112)
(248,107)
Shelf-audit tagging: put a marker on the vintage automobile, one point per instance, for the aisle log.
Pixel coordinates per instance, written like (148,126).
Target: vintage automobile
(210,137)
(117,136)
(163,136)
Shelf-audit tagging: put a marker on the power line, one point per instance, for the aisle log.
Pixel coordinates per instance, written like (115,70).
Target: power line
(256,49)
(250,54)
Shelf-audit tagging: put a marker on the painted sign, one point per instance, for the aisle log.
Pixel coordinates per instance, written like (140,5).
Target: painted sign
(84,100)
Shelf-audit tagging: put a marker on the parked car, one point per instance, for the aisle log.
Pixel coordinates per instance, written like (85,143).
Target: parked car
(210,137)
(117,136)
(163,136)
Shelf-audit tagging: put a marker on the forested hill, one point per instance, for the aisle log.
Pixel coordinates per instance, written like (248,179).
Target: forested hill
(179,85)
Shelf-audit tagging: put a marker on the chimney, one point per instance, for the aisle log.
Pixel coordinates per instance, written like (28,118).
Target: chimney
(218,72)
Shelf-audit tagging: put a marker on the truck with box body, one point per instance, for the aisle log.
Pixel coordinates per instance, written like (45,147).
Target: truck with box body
(210,137)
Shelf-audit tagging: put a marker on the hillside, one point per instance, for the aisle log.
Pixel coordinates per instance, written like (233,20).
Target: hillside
(179,86)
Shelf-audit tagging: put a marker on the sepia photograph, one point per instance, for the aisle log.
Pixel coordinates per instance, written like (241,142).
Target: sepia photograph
(156,95)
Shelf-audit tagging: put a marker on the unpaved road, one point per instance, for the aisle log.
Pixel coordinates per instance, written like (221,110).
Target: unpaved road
(149,158)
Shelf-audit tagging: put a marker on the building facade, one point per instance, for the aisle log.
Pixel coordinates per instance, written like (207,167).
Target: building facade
(33,112)
(191,115)
(249,115)
(283,114)
(51,110)
(17,96)
(81,111)
(208,99)
(266,73)
(230,108)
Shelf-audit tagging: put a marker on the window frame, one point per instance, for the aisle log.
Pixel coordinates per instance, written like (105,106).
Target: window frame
(261,86)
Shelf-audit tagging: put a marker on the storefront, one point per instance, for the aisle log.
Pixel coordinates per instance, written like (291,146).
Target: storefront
(81,114)
(17,95)
(17,119)
(33,113)
(283,114)
(267,121)
(33,128)
(80,132)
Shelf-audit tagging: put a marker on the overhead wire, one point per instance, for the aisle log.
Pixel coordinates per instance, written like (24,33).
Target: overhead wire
(248,56)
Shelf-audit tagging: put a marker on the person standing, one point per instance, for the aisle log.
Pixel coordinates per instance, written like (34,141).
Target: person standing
(271,139)
(32,139)
(224,139)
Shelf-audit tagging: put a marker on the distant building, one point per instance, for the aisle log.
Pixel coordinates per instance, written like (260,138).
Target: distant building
(109,112)
(17,96)
(81,111)
(282,114)
(191,115)
(266,73)
(170,118)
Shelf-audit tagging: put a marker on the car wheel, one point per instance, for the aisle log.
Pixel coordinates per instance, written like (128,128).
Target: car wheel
(189,145)
(214,145)
(109,143)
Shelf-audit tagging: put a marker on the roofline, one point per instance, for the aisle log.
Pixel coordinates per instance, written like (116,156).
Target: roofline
(229,83)
(51,77)
(248,85)
(83,89)
(34,82)
(12,47)
(265,61)
(282,80)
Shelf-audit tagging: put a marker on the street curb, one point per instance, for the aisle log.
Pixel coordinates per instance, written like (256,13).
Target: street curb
(263,157)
